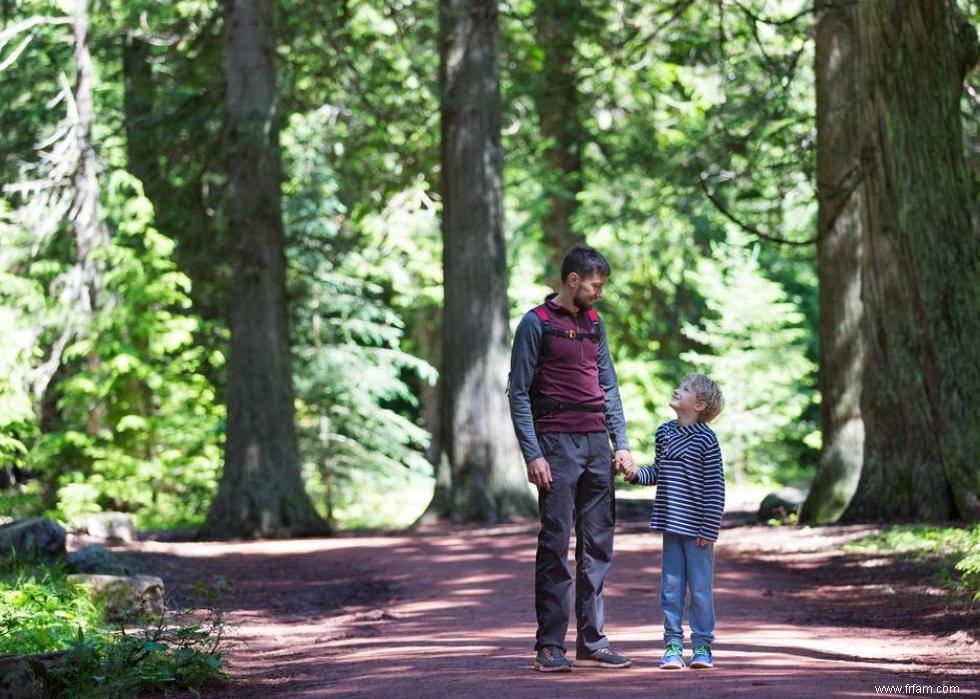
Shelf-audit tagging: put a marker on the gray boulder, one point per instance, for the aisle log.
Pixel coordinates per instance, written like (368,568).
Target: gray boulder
(38,537)
(25,677)
(17,679)
(781,504)
(111,526)
(124,597)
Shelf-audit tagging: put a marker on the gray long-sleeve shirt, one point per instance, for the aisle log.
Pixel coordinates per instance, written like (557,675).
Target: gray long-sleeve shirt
(584,381)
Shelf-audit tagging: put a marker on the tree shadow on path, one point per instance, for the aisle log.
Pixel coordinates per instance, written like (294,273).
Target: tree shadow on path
(450,613)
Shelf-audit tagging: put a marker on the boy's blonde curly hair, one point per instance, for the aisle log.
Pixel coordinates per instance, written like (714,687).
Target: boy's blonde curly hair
(707,392)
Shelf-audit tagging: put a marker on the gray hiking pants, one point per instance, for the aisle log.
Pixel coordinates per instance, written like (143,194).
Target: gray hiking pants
(581,490)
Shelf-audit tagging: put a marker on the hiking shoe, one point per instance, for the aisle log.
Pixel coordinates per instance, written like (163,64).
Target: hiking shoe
(604,657)
(702,658)
(552,659)
(673,658)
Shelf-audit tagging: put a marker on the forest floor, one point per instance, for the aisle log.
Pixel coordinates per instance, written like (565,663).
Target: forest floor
(449,613)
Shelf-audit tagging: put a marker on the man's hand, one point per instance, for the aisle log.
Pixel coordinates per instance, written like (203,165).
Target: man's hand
(539,472)
(623,460)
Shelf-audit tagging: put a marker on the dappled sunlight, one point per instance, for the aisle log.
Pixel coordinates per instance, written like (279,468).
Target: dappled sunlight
(428,607)
(417,648)
(477,579)
(265,547)
(460,607)
(465,557)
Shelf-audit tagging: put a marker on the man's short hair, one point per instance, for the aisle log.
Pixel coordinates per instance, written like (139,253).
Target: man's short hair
(584,261)
(707,392)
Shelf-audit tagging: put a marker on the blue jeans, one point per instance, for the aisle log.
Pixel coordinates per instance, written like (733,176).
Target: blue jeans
(687,565)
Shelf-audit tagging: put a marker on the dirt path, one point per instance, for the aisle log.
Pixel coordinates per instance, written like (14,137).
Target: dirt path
(450,614)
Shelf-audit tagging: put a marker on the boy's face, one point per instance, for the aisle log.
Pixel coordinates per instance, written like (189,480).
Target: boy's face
(685,400)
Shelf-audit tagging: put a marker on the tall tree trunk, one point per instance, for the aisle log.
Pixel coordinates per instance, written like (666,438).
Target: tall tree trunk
(261,491)
(916,267)
(839,174)
(556,25)
(86,216)
(488,482)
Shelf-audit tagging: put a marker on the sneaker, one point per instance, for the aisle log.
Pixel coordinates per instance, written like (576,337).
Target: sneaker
(604,657)
(552,659)
(702,658)
(673,658)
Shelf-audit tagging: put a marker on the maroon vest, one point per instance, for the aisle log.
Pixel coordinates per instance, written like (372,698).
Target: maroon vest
(568,368)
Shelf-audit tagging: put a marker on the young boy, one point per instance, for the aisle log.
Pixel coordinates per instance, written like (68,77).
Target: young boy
(690,482)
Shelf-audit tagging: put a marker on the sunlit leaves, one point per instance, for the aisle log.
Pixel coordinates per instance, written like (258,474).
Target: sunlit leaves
(752,341)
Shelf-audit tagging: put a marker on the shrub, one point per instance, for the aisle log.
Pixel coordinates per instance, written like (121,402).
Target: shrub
(39,613)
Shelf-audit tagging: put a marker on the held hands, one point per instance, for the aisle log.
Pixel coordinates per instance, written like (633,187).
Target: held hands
(623,463)
(539,470)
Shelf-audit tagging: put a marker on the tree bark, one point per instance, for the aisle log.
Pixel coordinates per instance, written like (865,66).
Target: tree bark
(556,25)
(839,252)
(261,491)
(90,230)
(488,482)
(915,265)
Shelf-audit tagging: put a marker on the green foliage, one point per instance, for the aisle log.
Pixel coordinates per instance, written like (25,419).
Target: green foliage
(754,345)
(957,547)
(40,613)
(137,426)
(157,449)
(695,122)
(382,499)
(357,412)
(126,664)
(18,299)
(691,115)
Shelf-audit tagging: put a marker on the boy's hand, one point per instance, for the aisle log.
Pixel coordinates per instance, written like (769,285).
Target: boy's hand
(539,472)
(631,473)
(623,460)
(701,543)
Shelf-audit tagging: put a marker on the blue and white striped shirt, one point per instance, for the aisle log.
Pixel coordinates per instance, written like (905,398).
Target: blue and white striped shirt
(690,480)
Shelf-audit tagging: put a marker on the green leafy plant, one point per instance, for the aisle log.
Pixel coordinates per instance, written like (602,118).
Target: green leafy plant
(162,656)
(134,422)
(958,548)
(40,613)
(754,346)
(357,385)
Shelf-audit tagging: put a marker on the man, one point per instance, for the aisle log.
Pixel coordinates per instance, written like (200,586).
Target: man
(564,402)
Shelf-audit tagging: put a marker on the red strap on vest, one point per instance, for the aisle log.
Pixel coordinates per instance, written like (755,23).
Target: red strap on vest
(541,313)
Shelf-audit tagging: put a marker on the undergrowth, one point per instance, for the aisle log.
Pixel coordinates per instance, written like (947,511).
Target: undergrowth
(41,614)
(958,548)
